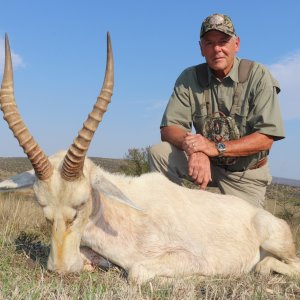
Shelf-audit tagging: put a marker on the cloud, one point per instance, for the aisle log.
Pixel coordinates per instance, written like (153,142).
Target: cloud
(16,58)
(157,105)
(286,71)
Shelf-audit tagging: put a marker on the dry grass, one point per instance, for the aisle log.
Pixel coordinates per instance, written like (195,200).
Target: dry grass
(24,247)
(284,202)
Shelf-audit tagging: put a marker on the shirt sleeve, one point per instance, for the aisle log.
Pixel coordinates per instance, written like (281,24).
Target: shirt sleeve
(264,115)
(179,111)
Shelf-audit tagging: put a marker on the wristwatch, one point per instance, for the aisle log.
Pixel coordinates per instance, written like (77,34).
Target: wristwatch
(221,148)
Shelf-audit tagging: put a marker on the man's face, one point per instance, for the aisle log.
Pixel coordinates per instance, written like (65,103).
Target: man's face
(219,50)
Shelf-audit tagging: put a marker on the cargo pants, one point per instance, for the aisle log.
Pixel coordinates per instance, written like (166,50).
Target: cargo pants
(249,185)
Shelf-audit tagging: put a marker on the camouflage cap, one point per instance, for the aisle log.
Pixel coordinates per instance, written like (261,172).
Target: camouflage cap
(217,22)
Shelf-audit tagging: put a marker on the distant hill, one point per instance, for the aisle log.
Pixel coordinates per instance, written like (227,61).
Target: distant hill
(286,181)
(10,166)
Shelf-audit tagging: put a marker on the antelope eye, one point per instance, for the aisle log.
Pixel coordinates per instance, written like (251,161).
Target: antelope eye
(71,220)
(74,218)
(79,206)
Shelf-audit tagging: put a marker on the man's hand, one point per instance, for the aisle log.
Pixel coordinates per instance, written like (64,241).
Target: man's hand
(198,143)
(199,169)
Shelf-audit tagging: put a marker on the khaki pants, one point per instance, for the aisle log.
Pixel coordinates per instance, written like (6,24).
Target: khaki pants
(249,185)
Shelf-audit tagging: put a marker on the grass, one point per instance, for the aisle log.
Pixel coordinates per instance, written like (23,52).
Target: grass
(24,248)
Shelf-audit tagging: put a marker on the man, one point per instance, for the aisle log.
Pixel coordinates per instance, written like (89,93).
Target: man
(236,121)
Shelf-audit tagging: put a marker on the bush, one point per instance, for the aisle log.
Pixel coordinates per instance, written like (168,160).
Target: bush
(137,162)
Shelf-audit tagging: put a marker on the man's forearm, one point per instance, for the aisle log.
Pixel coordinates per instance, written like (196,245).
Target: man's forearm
(174,135)
(244,146)
(248,145)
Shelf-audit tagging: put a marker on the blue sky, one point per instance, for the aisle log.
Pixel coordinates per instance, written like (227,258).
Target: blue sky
(59,53)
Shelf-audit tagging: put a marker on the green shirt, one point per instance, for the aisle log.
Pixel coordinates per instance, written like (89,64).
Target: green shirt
(259,111)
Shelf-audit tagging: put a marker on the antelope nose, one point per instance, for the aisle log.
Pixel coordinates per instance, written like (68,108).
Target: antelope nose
(76,266)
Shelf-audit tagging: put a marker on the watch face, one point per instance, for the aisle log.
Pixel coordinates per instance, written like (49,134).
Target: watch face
(221,147)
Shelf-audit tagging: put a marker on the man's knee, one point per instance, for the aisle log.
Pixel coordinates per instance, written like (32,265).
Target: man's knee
(158,156)
(154,151)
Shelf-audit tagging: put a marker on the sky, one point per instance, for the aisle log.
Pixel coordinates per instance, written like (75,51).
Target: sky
(59,57)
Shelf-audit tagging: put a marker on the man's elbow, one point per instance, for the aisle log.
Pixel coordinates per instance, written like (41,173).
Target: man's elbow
(167,132)
(269,140)
(162,134)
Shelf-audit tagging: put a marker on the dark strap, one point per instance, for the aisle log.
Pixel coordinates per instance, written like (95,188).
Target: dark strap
(202,77)
(244,70)
(245,67)
(236,103)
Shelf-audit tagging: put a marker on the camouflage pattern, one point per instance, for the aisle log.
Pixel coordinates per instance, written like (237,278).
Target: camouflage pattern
(218,22)
(220,129)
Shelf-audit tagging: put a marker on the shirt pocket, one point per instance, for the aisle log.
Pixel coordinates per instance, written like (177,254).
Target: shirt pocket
(242,116)
(198,121)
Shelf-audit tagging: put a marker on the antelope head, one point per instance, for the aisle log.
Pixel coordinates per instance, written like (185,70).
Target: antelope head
(62,182)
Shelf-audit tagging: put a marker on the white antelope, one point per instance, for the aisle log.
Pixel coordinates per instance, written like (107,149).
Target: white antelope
(147,225)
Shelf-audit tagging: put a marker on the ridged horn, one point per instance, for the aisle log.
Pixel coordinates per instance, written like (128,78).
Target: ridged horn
(73,163)
(42,166)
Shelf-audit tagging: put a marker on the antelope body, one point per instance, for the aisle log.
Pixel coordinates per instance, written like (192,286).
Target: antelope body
(147,225)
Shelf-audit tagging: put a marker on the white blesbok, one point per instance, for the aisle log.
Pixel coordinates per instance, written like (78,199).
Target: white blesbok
(147,225)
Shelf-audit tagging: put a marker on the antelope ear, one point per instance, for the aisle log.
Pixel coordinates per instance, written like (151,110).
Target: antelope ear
(20,181)
(106,187)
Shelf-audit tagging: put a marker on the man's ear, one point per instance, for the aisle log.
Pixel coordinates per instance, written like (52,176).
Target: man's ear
(237,44)
(201,48)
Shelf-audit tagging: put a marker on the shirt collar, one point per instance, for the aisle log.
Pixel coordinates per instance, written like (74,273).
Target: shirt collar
(233,74)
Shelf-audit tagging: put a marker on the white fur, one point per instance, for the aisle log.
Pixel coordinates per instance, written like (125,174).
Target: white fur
(152,227)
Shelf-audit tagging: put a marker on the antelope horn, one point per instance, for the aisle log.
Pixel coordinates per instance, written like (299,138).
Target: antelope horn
(73,163)
(42,166)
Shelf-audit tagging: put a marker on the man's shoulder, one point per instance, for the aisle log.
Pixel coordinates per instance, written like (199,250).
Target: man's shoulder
(261,73)
(190,69)
(187,75)
(256,66)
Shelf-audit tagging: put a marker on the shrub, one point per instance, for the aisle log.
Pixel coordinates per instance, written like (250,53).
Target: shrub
(137,162)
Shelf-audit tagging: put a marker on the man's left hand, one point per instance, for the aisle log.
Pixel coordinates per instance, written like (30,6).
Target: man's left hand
(198,143)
